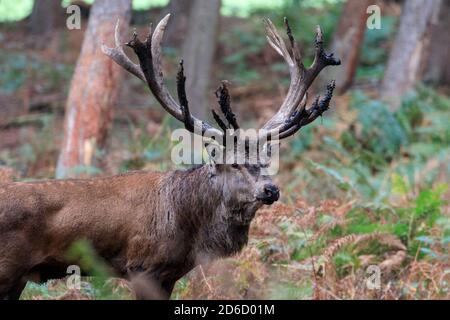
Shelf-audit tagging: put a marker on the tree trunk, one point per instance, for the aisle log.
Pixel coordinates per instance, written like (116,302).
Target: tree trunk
(198,52)
(403,68)
(45,17)
(94,89)
(179,10)
(436,67)
(347,42)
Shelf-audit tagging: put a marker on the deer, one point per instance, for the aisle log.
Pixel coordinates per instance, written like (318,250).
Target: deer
(152,228)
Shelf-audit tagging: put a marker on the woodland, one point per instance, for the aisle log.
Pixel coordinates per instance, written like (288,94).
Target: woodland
(365,185)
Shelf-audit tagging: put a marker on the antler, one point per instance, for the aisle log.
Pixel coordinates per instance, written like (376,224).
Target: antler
(149,70)
(292,114)
(224,101)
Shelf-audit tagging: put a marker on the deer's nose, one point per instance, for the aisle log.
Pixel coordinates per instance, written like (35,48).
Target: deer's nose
(271,193)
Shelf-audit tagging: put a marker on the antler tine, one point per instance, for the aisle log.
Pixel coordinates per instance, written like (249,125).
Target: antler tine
(118,55)
(321,58)
(294,47)
(292,114)
(149,70)
(219,121)
(224,101)
(276,41)
(296,69)
(182,98)
(317,109)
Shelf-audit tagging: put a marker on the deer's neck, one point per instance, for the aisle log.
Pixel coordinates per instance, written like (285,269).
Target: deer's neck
(200,211)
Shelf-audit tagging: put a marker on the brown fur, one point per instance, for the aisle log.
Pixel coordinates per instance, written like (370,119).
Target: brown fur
(153,227)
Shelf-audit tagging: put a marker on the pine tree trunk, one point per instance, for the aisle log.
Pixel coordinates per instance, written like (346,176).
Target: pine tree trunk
(198,52)
(347,42)
(93,90)
(403,68)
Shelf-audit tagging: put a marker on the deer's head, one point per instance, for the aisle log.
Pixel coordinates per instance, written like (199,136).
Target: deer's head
(237,171)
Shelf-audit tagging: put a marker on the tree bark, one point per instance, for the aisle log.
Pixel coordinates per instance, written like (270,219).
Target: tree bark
(347,42)
(198,52)
(179,10)
(403,68)
(94,89)
(45,16)
(436,67)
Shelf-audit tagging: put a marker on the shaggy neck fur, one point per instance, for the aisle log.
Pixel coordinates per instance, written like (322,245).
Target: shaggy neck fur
(200,210)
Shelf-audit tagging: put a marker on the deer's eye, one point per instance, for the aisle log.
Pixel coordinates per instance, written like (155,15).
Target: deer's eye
(253,169)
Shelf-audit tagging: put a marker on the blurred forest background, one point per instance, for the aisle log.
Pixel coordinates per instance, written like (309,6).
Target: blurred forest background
(366,185)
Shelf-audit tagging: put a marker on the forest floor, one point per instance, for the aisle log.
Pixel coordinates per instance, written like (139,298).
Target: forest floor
(364,190)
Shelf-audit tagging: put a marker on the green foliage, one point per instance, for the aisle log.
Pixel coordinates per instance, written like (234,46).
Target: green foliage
(387,164)
(247,46)
(144,148)
(374,51)
(83,254)
(17,68)
(12,76)
(303,17)
(243,45)
(362,160)
(302,142)
(32,151)
(15,10)
(381,135)
(291,291)
(98,285)
(384,164)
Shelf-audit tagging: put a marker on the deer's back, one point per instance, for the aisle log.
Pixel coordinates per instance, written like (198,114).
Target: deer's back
(106,211)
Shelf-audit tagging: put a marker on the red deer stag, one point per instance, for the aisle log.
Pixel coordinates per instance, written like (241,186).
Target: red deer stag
(154,227)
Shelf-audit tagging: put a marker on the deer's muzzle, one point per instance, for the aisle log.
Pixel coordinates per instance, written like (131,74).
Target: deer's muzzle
(270,194)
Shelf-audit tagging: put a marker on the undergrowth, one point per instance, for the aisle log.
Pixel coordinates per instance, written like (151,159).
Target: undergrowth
(363,189)
(387,208)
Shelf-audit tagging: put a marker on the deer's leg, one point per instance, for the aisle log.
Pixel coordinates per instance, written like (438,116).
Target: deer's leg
(147,287)
(14,265)
(15,292)
(12,283)
(167,287)
(153,291)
